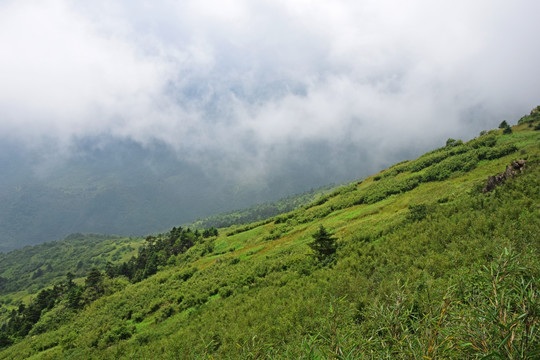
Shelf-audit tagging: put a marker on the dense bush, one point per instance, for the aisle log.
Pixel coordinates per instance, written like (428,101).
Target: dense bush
(495,152)
(483,141)
(447,167)
(425,161)
(417,212)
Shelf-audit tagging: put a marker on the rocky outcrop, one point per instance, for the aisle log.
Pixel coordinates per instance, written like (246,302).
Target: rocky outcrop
(516,167)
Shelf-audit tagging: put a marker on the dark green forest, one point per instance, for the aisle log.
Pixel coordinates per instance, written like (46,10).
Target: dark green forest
(420,261)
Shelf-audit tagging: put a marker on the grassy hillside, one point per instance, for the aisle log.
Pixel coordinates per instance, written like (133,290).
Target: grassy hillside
(261,211)
(427,266)
(32,268)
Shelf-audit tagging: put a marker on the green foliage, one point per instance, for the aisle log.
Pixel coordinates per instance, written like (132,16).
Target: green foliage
(506,128)
(499,317)
(417,212)
(116,334)
(436,157)
(94,284)
(5,340)
(495,152)
(447,167)
(324,245)
(157,251)
(20,321)
(483,141)
(77,253)
(534,116)
(210,232)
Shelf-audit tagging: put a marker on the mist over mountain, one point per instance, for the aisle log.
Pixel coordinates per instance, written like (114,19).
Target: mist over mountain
(122,113)
(122,188)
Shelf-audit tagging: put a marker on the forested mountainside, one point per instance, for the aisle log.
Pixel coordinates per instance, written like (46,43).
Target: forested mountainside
(32,268)
(422,260)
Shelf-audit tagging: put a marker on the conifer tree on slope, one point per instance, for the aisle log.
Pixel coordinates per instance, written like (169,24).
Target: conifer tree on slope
(324,244)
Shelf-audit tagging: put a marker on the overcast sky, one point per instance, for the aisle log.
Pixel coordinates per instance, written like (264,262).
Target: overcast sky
(248,84)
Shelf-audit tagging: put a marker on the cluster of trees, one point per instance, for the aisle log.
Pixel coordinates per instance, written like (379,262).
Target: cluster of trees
(36,267)
(506,128)
(157,251)
(21,320)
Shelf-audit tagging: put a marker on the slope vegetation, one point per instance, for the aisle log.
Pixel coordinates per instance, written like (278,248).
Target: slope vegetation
(427,266)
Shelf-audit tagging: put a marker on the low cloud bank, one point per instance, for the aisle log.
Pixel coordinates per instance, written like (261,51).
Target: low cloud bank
(243,88)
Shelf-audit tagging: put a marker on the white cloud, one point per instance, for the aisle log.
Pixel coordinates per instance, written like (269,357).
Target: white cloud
(239,79)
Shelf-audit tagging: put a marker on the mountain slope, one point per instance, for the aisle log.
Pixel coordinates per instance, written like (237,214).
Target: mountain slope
(427,266)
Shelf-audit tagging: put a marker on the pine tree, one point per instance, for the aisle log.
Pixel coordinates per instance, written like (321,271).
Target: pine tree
(324,245)
(94,284)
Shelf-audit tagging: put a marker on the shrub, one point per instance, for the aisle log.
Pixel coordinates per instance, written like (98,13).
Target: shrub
(482,141)
(116,334)
(417,212)
(446,168)
(5,340)
(433,158)
(186,274)
(496,152)
(225,291)
(165,313)
(532,117)
(450,142)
